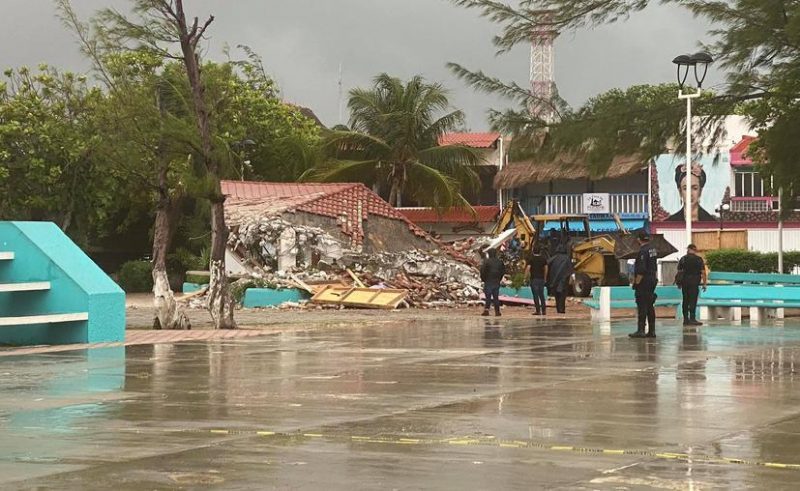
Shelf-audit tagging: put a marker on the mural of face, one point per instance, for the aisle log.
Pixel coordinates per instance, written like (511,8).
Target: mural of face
(697,192)
(698,183)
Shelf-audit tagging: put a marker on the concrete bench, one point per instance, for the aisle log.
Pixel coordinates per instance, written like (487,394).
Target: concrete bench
(722,277)
(43,319)
(727,301)
(607,298)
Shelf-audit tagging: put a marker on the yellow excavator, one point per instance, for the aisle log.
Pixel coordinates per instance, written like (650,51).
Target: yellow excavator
(596,258)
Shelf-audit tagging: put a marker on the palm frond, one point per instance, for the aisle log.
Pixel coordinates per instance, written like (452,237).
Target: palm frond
(343,171)
(459,162)
(434,188)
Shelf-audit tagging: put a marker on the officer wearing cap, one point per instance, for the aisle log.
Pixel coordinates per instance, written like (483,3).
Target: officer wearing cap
(691,273)
(644,283)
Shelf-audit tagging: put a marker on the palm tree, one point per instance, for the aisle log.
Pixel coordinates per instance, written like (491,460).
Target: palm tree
(393,143)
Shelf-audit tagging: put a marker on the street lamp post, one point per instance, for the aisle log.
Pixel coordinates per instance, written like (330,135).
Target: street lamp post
(720,209)
(241,147)
(684,63)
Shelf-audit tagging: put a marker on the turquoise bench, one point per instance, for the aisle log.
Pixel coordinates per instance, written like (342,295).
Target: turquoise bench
(727,301)
(722,277)
(607,298)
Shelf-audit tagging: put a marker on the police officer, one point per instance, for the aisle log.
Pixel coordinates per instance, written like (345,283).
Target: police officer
(691,273)
(644,283)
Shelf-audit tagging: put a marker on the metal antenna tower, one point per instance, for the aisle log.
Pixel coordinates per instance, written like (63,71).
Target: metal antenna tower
(341,95)
(542,79)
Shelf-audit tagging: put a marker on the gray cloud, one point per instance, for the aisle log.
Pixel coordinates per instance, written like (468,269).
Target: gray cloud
(304,41)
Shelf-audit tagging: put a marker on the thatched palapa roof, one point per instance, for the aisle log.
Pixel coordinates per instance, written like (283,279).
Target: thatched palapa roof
(518,174)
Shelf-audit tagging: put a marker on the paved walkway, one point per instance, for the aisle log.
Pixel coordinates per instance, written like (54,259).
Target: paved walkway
(134,337)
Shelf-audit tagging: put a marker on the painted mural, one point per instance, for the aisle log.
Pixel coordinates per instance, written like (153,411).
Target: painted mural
(710,187)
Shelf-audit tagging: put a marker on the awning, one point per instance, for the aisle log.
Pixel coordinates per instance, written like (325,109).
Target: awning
(599,225)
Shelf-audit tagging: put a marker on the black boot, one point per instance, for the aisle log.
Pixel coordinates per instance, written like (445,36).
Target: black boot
(485,312)
(639,328)
(497,312)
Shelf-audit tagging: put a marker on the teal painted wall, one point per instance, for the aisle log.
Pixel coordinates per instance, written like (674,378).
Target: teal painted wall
(44,253)
(267,297)
(192,287)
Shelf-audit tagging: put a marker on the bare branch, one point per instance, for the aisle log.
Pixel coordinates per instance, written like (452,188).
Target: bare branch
(203,29)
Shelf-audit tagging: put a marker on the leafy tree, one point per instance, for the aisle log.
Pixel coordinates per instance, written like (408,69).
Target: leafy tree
(258,127)
(151,133)
(756,41)
(393,143)
(49,138)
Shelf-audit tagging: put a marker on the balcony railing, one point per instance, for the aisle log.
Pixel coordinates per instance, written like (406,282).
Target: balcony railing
(619,204)
(752,205)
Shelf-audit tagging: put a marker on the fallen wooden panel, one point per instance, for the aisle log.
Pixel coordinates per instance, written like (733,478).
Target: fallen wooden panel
(508,300)
(367,298)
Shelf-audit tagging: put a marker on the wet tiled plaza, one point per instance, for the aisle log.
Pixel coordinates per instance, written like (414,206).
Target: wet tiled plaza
(461,404)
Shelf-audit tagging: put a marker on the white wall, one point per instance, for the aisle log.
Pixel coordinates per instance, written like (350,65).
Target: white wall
(233,265)
(767,240)
(761,240)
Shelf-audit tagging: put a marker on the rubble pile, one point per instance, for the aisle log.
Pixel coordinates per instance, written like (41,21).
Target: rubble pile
(278,253)
(429,277)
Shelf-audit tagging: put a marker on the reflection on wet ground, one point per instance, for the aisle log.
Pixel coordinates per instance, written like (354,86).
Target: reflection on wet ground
(475,404)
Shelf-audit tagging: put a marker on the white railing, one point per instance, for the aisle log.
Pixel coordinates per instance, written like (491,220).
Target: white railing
(566,204)
(620,204)
(750,205)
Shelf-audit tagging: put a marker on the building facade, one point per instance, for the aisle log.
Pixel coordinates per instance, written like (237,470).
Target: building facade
(457,224)
(564,186)
(730,196)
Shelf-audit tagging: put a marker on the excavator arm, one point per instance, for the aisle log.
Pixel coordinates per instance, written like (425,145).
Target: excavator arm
(513,213)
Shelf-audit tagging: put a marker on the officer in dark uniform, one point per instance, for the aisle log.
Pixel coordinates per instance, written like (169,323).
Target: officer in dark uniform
(644,283)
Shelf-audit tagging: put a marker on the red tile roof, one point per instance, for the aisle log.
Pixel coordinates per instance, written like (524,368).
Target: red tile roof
(739,151)
(475,140)
(483,214)
(333,200)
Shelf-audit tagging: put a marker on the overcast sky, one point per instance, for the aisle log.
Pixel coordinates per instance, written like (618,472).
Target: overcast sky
(303,43)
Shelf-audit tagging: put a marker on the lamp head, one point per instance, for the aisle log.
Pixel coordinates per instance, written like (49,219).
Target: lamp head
(683,63)
(700,61)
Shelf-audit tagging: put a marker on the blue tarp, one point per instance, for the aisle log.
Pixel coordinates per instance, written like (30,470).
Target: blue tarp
(611,225)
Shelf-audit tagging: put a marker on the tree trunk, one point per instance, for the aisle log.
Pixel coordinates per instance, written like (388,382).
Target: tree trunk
(395,193)
(168,315)
(220,301)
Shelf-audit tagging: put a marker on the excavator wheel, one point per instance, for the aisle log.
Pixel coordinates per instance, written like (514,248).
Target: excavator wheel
(582,285)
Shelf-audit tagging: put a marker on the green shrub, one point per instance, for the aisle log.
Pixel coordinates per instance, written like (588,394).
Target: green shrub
(136,277)
(518,280)
(743,261)
(184,260)
(197,279)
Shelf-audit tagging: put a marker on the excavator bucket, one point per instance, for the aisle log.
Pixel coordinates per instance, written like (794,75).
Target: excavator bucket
(627,246)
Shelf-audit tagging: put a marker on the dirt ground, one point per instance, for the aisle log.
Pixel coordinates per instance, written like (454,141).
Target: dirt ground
(140,314)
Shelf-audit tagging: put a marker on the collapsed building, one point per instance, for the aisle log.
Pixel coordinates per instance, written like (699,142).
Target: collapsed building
(317,231)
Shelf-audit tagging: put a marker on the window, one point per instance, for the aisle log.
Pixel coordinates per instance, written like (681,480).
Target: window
(748,184)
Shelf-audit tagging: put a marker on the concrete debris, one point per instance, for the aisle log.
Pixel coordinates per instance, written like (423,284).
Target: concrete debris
(277,254)
(283,246)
